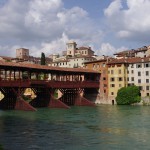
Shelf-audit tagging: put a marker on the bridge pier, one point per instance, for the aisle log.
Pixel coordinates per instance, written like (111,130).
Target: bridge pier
(42,98)
(13,99)
(9,100)
(73,97)
(56,103)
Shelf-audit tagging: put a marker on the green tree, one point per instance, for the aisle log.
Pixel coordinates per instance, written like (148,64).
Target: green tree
(128,95)
(43,61)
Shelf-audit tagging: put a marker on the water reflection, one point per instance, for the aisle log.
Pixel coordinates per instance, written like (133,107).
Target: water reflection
(104,127)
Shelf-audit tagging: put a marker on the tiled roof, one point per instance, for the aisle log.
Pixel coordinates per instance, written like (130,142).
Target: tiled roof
(118,61)
(125,52)
(96,61)
(130,60)
(6,58)
(43,67)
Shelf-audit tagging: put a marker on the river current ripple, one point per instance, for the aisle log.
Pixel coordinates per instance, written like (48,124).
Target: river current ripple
(104,127)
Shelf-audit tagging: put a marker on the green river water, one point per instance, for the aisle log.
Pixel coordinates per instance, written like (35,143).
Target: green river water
(104,127)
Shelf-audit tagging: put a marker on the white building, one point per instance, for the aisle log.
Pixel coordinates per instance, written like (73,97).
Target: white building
(138,74)
(75,57)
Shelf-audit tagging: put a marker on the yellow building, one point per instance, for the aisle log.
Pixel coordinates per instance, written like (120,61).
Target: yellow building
(117,77)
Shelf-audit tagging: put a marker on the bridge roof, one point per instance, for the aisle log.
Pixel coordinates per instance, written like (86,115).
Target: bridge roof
(26,66)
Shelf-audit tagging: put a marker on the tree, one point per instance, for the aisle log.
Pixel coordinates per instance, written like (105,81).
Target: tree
(43,62)
(128,95)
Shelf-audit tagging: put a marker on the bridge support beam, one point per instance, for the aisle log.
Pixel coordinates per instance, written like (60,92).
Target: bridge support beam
(23,105)
(81,101)
(73,97)
(56,103)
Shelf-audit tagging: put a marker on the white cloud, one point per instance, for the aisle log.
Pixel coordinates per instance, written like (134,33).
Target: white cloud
(108,49)
(41,25)
(131,22)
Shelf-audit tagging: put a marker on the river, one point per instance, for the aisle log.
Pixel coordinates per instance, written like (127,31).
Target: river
(104,127)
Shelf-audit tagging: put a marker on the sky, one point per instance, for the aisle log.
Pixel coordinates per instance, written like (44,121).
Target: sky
(108,26)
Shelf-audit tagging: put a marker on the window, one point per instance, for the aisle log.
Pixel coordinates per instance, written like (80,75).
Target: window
(119,71)
(112,72)
(69,46)
(146,65)
(112,85)
(105,85)
(147,87)
(132,71)
(104,91)
(112,79)
(147,80)
(138,65)
(120,79)
(139,73)
(112,93)
(93,65)
(132,78)
(147,94)
(147,73)
(120,85)
(139,80)
(132,66)
(104,78)
(103,64)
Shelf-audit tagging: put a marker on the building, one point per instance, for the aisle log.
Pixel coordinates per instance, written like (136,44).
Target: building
(22,53)
(5,58)
(128,72)
(140,52)
(117,77)
(101,66)
(73,57)
(138,74)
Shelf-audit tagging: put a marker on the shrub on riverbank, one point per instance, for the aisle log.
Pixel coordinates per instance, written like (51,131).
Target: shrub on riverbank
(128,95)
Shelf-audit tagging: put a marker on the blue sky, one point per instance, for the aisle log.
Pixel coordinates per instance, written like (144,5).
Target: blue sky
(108,26)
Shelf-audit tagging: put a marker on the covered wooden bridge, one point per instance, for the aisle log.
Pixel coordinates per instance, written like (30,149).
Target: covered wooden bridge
(73,84)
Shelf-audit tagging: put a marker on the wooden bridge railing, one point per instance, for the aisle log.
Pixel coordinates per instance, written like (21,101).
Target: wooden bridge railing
(49,83)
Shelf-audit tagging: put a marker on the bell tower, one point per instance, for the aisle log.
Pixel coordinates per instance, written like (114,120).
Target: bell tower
(71,47)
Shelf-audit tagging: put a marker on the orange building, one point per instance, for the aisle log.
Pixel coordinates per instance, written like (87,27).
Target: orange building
(101,66)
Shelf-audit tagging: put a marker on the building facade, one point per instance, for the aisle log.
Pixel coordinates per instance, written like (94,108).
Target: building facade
(101,66)
(138,74)
(22,53)
(117,78)
(73,57)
